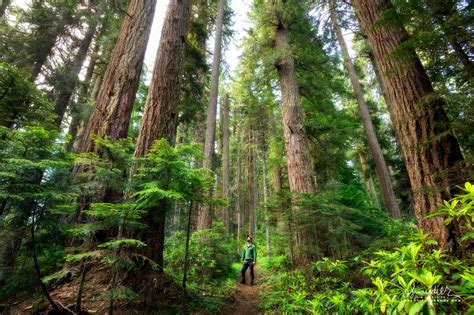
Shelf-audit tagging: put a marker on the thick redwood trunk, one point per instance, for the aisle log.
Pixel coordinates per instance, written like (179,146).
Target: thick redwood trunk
(114,104)
(225,158)
(160,117)
(432,155)
(205,213)
(300,170)
(67,88)
(383,176)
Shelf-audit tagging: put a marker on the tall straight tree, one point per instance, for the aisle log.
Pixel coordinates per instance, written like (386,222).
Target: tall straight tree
(251,178)
(84,92)
(160,117)
(430,150)
(67,87)
(225,158)
(205,214)
(300,170)
(383,176)
(114,104)
(48,31)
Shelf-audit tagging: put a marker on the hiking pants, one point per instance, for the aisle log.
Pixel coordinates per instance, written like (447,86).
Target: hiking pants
(247,264)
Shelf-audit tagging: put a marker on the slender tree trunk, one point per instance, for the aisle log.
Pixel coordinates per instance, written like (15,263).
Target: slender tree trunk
(369,182)
(277,182)
(83,97)
(200,116)
(265,207)
(205,214)
(67,88)
(431,152)
(160,117)
(238,190)
(251,180)
(225,158)
(380,80)
(383,176)
(300,170)
(111,115)
(186,251)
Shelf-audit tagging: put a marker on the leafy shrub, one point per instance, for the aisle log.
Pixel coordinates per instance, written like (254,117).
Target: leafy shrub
(212,266)
(34,195)
(413,278)
(211,254)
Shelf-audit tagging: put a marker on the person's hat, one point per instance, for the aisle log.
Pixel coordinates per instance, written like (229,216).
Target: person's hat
(248,235)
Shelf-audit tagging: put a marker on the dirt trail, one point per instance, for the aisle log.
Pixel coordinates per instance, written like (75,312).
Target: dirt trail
(245,299)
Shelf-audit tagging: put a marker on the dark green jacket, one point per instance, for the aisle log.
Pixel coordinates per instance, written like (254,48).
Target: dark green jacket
(249,252)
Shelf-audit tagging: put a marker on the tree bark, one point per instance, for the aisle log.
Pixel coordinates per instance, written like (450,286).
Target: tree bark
(369,182)
(225,158)
(238,191)
(160,117)
(300,170)
(381,170)
(84,92)
(251,180)
(67,88)
(114,104)
(205,213)
(380,80)
(430,150)
(265,207)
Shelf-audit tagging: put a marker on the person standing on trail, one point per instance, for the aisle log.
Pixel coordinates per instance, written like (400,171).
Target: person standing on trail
(249,259)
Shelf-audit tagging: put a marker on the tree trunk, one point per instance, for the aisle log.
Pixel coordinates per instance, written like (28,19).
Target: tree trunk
(114,104)
(160,117)
(265,207)
(83,96)
(277,182)
(205,213)
(369,182)
(238,191)
(383,176)
(200,116)
(67,88)
(431,152)
(380,80)
(251,180)
(300,170)
(225,158)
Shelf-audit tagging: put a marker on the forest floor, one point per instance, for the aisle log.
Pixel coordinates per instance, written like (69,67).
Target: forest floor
(245,299)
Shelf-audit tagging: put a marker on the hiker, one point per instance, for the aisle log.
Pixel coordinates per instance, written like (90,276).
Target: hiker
(249,259)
